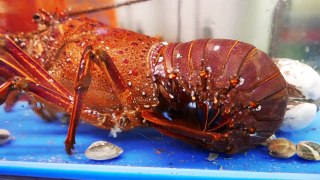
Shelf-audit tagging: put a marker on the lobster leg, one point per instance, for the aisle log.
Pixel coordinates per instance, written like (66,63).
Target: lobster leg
(43,93)
(25,66)
(51,97)
(82,82)
(108,67)
(14,62)
(32,78)
(11,100)
(169,128)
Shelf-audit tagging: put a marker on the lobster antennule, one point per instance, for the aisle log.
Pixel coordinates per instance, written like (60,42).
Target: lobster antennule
(78,13)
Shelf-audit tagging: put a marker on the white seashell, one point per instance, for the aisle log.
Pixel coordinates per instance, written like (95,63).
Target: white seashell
(102,150)
(304,78)
(298,116)
(301,75)
(5,136)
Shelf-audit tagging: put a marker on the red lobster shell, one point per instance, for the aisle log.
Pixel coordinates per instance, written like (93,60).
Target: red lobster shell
(222,94)
(225,95)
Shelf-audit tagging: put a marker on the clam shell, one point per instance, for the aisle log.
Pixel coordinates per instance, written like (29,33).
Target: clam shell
(102,150)
(281,148)
(5,136)
(309,150)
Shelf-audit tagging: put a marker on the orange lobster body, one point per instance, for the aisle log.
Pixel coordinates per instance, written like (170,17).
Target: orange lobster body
(59,49)
(127,50)
(224,95)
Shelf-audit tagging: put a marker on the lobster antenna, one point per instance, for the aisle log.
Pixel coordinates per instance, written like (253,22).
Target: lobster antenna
(72,14)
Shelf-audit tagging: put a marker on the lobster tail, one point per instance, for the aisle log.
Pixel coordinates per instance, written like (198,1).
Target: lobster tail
(231,91)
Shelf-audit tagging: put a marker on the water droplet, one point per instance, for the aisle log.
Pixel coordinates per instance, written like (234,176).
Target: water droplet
(241,81)
(258,108)
(216,48)
(165,43)
(208,69)
(129,83)
(160,59)
(178,56)
(146,106)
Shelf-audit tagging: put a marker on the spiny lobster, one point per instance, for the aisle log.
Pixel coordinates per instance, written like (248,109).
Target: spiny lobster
(224,95)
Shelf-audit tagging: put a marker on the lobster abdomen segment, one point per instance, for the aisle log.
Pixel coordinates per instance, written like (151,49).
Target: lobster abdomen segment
(229,88)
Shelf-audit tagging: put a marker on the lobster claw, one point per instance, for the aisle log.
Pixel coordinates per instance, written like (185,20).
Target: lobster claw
(218,142)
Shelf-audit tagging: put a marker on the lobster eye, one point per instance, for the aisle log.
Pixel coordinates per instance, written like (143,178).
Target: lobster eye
(36,17)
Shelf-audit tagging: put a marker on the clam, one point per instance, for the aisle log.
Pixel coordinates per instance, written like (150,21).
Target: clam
(5,136)
(281,148)
(309,150)
(102,150)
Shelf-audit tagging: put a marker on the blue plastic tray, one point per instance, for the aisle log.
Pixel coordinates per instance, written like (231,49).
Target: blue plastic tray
(38,150)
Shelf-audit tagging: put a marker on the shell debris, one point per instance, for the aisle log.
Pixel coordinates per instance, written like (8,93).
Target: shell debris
(212,156)
(266,142)
(102,150)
